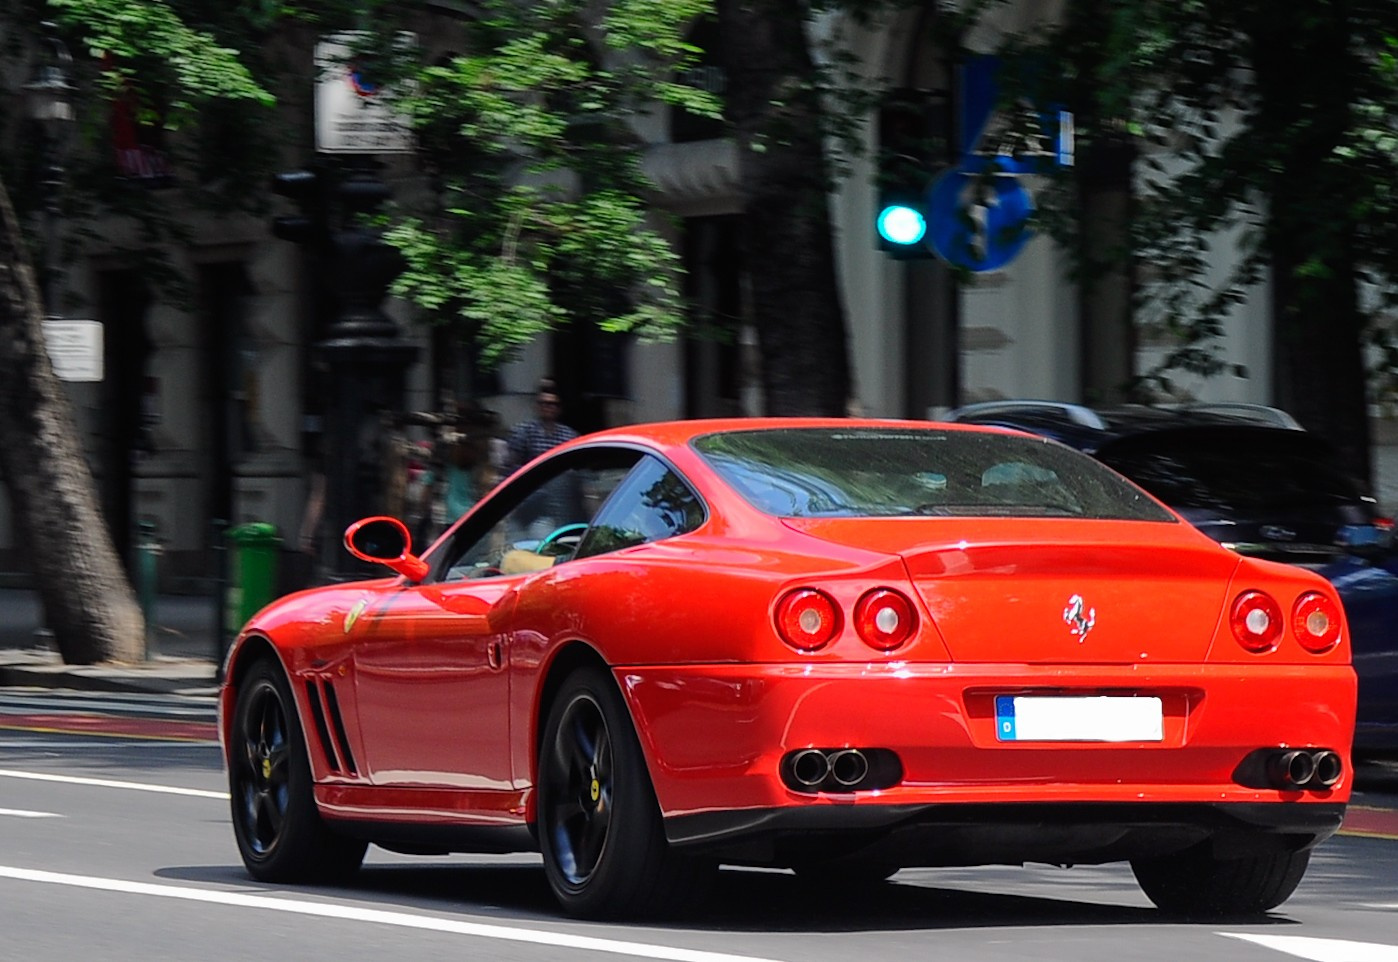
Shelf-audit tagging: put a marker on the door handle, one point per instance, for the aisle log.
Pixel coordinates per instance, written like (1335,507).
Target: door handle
(495,654)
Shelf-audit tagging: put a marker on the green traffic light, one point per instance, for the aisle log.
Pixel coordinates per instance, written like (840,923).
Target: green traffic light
(900,224)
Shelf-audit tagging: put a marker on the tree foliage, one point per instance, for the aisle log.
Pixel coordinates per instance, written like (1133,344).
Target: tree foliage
(540,211)
(1262,129)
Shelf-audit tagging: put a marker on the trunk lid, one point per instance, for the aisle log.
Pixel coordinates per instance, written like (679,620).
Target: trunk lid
(1055,591)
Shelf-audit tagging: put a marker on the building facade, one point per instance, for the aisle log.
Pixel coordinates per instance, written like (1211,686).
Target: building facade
(209,410)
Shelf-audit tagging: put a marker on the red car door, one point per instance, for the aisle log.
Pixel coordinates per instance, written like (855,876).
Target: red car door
(432,679)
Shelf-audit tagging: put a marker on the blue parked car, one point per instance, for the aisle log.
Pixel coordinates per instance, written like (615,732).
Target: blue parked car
(1249,477)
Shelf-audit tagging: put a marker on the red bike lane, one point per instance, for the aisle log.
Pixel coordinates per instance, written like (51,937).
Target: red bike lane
(110,726)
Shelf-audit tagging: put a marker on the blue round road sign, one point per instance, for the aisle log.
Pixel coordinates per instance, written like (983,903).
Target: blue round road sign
(978,221)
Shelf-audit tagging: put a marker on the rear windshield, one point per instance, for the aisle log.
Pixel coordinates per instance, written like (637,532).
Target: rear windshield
(873,472)
(1241,471)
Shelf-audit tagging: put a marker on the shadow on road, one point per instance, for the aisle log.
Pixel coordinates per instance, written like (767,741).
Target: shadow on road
(744,901)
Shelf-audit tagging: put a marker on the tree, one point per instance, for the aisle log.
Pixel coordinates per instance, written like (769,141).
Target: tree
(778,106)
(87,600)
(530,136)
(540,215)
(1274,124)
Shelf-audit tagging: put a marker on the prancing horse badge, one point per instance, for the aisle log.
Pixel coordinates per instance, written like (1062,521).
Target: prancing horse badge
(1079,618)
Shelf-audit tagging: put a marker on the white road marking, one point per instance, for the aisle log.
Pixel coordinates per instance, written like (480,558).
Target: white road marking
(112,783)
(354,913)
(1322,950)
(106,743)
(21,813)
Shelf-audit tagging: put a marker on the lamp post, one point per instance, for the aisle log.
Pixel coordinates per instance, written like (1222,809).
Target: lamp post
(49,103)
(365,358)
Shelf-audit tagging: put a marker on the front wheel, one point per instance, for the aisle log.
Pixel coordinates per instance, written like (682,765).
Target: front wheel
(1195,884)
(604,846)
(280,834)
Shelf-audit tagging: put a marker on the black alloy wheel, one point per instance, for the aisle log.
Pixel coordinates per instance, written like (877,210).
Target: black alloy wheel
(265,792)
(604,846)
(581,806)
(280,834)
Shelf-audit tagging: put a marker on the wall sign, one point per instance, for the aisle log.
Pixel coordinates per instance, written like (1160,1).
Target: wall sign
(354,113)
(75,348)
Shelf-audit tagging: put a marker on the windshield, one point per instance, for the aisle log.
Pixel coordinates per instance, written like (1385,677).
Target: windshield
(892,472)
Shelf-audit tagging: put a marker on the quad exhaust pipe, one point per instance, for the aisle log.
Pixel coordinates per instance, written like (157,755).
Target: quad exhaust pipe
(840,769)
(1318,768)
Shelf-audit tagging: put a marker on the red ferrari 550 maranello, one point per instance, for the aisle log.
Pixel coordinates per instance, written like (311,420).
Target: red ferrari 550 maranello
(836,646)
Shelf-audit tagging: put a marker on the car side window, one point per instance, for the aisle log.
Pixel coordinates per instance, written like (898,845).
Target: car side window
(541,521)
(652,503)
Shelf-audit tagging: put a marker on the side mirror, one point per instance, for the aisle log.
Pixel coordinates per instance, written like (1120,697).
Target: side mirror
(385,541)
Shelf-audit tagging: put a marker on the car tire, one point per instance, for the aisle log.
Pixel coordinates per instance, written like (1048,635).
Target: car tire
(600,830)
(1195,884)
(280,833)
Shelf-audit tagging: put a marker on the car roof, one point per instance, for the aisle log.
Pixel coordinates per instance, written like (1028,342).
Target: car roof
(1090,429)
(678,433)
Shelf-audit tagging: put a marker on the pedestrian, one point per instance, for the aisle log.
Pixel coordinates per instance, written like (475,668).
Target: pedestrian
(531,438)
(556,502)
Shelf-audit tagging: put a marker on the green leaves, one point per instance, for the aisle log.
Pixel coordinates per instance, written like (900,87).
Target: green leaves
(134,38)
(541,216)
(1257,127)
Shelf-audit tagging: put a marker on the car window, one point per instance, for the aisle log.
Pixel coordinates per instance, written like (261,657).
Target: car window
(891,472)
(542,517)
(650,504)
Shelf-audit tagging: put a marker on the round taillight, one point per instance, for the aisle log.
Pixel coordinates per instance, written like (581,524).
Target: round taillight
(1315,620)
(807,619)
(884,619)
(1256,621)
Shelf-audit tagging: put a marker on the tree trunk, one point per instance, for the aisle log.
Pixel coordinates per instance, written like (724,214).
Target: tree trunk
(1302,117)
(87,599)
(787,243)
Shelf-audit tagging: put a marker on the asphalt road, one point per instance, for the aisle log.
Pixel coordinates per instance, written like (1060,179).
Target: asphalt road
(115,845)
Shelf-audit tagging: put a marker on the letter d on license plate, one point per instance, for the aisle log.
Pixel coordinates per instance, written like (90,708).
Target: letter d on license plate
(1072,718)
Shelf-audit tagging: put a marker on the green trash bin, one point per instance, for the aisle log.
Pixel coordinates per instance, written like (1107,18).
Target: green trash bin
(252,571)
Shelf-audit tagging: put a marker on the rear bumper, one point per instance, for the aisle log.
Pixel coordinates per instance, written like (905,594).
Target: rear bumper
(953,834)
(715,736)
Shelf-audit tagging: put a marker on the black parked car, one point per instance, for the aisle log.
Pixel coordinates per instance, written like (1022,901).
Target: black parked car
(1252,479)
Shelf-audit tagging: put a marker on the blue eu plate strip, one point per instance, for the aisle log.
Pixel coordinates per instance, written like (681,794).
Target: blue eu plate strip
(1005,718)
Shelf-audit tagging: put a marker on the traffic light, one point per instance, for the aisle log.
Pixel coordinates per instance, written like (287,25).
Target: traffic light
(309,189)
(914,144)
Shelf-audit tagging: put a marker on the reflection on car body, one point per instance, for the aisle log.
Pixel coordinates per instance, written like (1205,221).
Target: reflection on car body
(836,646)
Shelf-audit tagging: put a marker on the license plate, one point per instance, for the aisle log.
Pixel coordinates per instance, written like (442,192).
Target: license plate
(1071,718)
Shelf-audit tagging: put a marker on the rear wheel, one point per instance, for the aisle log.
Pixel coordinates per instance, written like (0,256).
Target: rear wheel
(604,846)
(1195,884)
(280,834)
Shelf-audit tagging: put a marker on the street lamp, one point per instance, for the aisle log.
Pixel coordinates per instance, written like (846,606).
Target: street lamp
(49,102)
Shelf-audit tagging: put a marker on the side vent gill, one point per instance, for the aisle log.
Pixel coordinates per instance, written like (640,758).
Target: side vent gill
(341,736)
(327,717)
(327,748)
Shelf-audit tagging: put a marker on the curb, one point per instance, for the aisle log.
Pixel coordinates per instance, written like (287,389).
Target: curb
(166,676)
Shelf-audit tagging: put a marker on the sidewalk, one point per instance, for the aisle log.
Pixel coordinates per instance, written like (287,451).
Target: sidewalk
(182,656)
